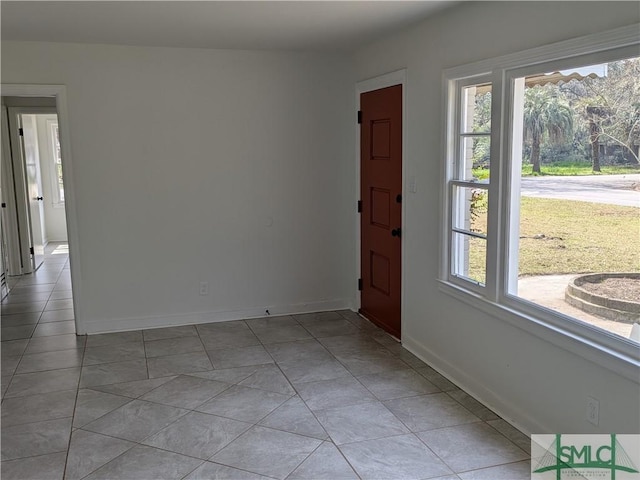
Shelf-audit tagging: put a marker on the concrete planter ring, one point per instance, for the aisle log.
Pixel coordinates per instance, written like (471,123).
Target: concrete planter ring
(579,295)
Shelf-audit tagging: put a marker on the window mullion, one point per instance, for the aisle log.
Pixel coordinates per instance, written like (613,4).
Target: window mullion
(470,184)
(494,214)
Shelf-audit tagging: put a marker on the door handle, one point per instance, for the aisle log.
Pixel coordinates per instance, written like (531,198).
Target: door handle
(395,232)
(40,198)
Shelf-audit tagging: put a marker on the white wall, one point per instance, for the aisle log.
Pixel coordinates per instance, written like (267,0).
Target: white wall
(538,386)
(54,215)
(189,165)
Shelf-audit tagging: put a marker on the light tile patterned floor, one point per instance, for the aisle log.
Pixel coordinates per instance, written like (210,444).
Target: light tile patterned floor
(316,396)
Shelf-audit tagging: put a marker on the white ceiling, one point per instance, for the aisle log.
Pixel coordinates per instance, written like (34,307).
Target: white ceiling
(282,25)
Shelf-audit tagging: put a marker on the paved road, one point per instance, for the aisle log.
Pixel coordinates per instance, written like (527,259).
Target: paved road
(611,189)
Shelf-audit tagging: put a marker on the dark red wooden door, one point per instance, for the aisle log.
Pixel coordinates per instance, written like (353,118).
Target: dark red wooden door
(381,194)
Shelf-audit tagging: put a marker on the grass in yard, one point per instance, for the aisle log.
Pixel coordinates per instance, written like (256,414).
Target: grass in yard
(564,169)
(564,236)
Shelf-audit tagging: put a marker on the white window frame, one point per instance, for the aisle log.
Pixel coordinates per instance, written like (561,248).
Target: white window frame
(619,354)
(454,156)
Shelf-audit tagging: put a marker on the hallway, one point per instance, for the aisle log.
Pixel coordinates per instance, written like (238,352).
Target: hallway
(40,304)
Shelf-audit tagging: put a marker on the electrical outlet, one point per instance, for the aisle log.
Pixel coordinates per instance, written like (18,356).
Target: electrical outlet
(204,288)
(593,410)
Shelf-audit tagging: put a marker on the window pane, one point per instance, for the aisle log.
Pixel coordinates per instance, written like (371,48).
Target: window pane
(470,206)
(476,109)
(475,159)
(469,257)
(58,162)
(571,220)
(56,140)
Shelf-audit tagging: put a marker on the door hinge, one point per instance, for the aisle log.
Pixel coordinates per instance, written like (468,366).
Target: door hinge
(360,284)
(21,132)
(399,198)
(359,206)
(359,116)
(31,251)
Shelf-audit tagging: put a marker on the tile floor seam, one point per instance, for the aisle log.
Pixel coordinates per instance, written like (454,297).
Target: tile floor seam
(304,460)
(470,470)
(173,451)
(135,444)
(38,393)
(40,421)
(508,439)
(32,456)
(103,415)
(397,436)
(194,410)
(157,402)
(236,468)
(208,459)
(435,454)
(305,404)
(191,471)
(262,418)
(347,460)
(46,369)
(492,466)
(75,405)
(99,467)
(146,360)
(95,388)
(48,419)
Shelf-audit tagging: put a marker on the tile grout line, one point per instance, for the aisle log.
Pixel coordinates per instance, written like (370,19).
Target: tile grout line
(73,416)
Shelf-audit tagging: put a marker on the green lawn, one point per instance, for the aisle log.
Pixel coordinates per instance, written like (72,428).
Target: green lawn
(565,169)
(564,236)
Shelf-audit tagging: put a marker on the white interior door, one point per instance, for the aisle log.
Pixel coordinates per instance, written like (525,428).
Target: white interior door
(26,165)
(34,187)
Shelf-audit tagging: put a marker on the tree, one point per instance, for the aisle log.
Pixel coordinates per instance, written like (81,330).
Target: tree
(594,117)
(612,106)
(545,116)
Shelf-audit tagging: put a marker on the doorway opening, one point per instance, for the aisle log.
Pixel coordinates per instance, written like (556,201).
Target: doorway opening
(37,293)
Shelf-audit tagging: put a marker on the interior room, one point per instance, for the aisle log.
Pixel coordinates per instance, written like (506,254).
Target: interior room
(196,311)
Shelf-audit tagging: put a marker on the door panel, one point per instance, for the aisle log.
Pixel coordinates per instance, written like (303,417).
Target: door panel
(381,194)
(34,187)
(25,163)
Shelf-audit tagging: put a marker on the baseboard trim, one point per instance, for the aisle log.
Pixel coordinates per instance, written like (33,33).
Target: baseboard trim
(160,321)
(509,412)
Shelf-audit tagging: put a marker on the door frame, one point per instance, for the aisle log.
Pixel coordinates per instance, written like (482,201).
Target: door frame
(9,214)
(59,92)
(398,77)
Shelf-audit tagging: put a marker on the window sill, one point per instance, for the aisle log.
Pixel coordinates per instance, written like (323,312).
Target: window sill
(606,350)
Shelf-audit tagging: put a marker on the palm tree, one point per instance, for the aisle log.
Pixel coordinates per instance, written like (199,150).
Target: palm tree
(545,115)
(594,117)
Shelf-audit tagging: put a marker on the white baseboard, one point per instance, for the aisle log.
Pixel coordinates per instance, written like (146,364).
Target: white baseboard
(497,403)
(161,321)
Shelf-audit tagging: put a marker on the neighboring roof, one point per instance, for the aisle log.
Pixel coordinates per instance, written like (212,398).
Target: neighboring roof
(563,76)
